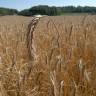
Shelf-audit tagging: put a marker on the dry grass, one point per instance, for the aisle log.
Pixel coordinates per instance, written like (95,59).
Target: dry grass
(63,61)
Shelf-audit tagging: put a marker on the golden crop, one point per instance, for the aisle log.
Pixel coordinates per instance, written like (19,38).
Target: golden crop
(54,56)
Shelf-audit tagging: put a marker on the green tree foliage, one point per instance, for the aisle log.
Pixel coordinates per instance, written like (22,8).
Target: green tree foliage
(25,12)
(47,10)
(7,11)
(51,11)
(41,9)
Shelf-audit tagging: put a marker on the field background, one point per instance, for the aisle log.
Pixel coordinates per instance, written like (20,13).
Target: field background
(63,50)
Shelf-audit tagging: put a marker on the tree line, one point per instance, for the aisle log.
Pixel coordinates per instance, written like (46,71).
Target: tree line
(47,10)
(7,11)
(51,11)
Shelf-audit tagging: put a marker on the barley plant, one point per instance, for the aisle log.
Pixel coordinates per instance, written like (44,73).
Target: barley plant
(48,56)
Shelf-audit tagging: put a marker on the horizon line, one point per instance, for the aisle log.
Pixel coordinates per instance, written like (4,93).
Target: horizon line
(49,6)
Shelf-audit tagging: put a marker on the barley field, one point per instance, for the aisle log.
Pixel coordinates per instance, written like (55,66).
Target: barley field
(49,56)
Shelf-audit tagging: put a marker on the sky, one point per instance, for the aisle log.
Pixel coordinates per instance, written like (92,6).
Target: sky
(25,4)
